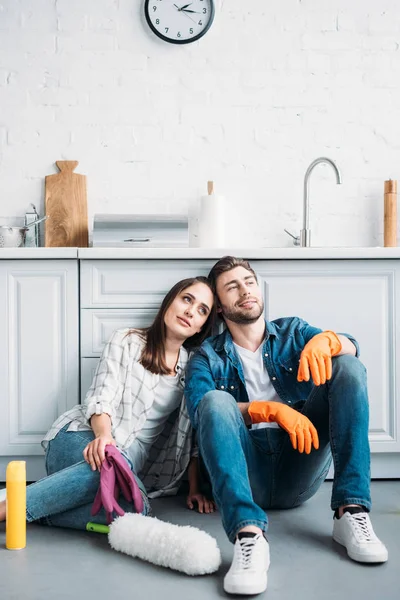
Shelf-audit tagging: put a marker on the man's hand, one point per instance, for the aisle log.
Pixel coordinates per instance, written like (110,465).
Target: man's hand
(316,357)
(302,432)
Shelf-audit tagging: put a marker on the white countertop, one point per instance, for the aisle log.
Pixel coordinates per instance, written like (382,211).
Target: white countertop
(37,253)
(200,253)
(249,253)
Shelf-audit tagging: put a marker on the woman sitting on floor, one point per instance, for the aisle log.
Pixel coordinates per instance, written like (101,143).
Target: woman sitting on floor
(135,403)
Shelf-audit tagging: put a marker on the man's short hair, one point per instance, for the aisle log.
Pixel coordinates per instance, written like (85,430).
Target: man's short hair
(227,263)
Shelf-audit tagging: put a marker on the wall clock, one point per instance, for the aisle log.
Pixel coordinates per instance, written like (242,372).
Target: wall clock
(179,21)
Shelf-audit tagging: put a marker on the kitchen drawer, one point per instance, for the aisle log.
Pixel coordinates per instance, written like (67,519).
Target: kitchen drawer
(98,325)
(133,283)
(88,368)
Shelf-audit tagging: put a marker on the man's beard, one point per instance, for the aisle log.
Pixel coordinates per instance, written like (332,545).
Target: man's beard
(241,318)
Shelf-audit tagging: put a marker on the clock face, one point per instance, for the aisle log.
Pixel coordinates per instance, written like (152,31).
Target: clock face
(179,21)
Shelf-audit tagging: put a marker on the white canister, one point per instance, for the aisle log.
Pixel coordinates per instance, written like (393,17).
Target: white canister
(212,221)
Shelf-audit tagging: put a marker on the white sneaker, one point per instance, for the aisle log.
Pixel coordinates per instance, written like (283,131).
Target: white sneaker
(355,532)
(248,572)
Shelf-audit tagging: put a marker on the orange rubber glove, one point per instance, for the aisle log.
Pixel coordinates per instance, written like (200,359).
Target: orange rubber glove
(302,432)
(316,357)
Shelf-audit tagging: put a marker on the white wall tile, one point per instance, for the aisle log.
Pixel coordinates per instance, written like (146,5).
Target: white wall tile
(272,86)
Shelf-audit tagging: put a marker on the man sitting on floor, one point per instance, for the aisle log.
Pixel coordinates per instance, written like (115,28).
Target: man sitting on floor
(271,408)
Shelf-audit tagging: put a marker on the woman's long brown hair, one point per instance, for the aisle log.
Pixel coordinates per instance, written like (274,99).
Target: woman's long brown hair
(153,354)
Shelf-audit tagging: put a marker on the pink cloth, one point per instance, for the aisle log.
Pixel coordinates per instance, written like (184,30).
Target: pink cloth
(116,477)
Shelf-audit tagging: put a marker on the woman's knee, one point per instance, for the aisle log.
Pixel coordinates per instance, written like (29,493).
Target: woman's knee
(66,449)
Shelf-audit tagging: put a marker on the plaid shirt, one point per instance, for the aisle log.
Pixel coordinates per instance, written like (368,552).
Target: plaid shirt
(125,390)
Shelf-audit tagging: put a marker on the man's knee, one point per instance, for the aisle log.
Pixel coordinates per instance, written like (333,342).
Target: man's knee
(217,402)
(349,367)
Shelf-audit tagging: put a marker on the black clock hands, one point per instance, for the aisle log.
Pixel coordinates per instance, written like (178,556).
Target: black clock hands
(185,11)
(183,8)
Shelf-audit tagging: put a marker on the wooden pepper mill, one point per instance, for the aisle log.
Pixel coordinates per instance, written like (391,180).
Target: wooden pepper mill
(390,210)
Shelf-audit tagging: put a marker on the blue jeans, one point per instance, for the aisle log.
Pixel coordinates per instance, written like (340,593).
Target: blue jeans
(253,470)
(65,497)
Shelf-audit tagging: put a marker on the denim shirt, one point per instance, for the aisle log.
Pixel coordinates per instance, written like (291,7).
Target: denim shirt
(216,364)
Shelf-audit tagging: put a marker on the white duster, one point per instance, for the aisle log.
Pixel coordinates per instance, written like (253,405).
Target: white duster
(182,548)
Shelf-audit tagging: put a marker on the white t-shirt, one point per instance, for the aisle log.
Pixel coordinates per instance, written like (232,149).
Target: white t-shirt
(258,383)
(168,396)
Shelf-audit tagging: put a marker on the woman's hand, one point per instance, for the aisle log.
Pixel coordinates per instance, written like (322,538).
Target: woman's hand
(194,497)
(204,505)
(94,452)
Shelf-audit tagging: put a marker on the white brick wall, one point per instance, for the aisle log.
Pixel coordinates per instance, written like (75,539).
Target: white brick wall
(272,86)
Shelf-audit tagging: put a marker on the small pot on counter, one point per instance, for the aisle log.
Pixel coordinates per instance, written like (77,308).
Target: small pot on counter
(14,237)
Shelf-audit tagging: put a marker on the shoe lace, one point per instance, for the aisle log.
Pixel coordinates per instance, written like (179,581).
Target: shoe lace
(245,552)
(362,527)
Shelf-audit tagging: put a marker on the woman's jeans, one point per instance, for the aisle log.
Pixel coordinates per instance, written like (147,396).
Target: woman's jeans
(65,497)
(253,470)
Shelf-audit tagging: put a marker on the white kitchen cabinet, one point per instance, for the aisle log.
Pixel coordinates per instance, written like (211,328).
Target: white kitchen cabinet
(123,293)
(97,325)
(88,368)
(133,283)
(41,348)
(360,298)
(39,355)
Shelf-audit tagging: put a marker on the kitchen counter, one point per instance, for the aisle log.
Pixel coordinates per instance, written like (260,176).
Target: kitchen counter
(37,253)
(200,253)
(249,253)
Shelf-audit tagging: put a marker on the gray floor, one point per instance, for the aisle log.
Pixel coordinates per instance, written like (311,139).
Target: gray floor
(305,562)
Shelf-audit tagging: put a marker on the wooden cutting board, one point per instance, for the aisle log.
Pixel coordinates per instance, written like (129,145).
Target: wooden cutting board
(66,207)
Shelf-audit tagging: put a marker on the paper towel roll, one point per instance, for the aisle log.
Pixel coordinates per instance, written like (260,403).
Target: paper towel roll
(194,218)
(212,221)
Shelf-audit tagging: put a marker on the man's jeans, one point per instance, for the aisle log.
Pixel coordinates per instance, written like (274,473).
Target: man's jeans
(65,497)
(253,470)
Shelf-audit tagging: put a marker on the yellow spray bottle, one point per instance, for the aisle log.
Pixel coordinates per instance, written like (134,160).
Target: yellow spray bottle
(16,505)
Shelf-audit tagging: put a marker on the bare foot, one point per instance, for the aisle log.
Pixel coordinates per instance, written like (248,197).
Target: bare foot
(3,510)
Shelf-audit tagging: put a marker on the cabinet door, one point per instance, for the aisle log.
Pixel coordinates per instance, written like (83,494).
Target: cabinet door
(133,283)
(356,297)
(39,357)
(97,326)
(88,369)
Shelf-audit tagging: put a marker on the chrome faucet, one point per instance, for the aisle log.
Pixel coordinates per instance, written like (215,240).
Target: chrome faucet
(305,234)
